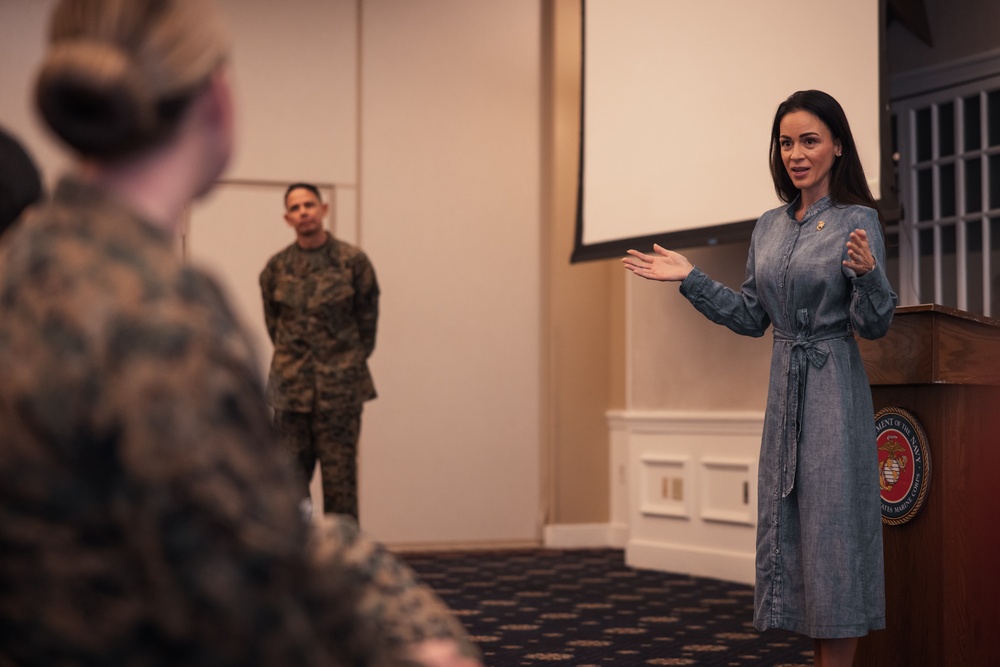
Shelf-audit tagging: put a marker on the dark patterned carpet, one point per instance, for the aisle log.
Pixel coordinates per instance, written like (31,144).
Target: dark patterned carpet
(586,608)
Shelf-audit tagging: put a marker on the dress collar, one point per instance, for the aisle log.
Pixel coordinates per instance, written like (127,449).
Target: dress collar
(817,208)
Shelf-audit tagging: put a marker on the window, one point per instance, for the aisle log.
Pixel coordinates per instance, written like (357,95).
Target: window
(946,249)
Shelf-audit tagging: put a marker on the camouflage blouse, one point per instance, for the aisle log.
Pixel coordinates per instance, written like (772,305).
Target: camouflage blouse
(321,310)
(146,514)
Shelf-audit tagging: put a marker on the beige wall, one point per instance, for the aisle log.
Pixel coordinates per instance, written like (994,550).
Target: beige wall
(451,213)
(584,313)
(22,40)
(680,361)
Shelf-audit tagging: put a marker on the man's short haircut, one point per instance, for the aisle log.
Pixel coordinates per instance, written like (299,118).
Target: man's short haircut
(308,186)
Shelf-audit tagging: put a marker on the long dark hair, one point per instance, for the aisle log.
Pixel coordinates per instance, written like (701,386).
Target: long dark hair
(848,184)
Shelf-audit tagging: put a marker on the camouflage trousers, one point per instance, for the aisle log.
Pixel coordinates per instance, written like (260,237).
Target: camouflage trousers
(330,436)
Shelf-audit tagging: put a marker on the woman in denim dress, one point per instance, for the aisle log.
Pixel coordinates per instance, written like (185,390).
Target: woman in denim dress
(815,272)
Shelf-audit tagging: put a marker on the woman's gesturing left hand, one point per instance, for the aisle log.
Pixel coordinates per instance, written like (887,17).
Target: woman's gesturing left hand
(859,255)
(664,265)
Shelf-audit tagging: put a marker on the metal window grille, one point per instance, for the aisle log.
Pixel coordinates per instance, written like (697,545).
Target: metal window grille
(946,249)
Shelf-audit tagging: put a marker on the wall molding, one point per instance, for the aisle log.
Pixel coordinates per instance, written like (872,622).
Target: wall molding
(686,421)
(723,564)
(584,536)
(687,499)
(481,545)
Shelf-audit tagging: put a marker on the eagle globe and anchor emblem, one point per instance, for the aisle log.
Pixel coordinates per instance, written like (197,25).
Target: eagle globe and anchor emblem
(892,466)
(904,464)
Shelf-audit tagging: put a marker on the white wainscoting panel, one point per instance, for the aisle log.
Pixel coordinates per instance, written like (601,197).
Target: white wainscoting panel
(664,485)
(618,442)
(691,490)
(725,490)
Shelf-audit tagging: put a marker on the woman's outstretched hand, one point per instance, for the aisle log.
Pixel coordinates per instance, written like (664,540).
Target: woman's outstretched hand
(664,265)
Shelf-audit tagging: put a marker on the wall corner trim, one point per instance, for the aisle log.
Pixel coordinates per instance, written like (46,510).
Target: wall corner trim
(584,536)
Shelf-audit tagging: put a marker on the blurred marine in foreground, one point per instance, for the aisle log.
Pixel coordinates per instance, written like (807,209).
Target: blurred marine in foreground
(147,515)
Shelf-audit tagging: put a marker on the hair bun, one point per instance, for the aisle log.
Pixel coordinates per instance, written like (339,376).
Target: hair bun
(93,98)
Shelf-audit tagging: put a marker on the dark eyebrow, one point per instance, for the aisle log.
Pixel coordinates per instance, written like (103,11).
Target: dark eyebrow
(804,134)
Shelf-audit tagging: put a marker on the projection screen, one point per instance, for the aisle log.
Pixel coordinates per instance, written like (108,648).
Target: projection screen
(677,105)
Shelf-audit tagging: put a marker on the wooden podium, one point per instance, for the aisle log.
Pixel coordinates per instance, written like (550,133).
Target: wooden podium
(942,568)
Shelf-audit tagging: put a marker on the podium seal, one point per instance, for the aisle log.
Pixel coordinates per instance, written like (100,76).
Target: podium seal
(904,464)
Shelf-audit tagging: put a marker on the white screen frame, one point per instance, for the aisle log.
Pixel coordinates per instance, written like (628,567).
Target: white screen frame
(667,164)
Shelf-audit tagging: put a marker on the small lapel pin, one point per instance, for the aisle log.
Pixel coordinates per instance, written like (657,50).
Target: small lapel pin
(820,226)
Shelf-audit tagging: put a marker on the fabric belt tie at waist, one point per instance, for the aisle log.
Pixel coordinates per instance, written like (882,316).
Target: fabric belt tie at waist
(804,352)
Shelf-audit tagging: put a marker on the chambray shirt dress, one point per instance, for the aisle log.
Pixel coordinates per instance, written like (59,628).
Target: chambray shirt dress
(819,528)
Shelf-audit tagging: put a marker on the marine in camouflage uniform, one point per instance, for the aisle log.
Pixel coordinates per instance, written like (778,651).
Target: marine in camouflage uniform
(147,516)
(321,309)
